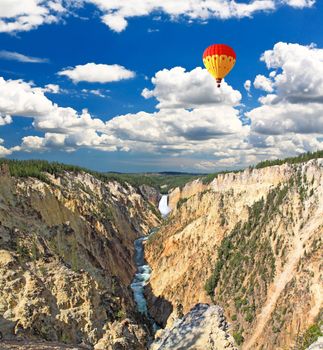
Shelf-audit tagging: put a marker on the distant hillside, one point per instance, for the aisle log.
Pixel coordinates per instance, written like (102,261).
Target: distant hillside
(163,181)
(266,163)
(38,169)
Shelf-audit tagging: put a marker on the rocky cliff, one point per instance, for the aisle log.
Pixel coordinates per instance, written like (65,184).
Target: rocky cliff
(203,328)
(251,242)
(66,260)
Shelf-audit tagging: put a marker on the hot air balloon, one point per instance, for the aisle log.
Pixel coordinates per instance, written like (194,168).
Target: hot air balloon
(219,59)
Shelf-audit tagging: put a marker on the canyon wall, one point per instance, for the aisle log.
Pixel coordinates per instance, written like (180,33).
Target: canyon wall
(251,242)
(66,259)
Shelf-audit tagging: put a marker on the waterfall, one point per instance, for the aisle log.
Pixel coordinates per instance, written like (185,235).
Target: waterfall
(163,205)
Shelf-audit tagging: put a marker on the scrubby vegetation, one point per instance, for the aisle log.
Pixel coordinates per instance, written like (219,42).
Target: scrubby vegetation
(238,337)
(210,177)
(181,202)
(310,336)
(245,263)
(292,160)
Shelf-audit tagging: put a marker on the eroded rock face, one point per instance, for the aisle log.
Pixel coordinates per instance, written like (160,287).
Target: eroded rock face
(124,336)
(150,194)
(268,224)
(203,328)
(66,258)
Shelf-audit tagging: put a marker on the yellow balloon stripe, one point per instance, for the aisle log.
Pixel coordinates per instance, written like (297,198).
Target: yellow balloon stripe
(219,66)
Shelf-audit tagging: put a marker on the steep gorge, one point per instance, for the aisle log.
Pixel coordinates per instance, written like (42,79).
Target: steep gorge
(66,259)
(253,239)
(249,242)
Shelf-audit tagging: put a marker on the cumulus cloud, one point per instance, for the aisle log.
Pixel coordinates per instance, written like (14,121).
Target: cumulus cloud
(16,56)
(211,126)
(177,125)
(290,117)
(194,120)
(177,88)
(294,102)
(18,98)
(194,116)
(116,13)
(300,72)
(97,73)
(282,118)
(263,83)
(17,15)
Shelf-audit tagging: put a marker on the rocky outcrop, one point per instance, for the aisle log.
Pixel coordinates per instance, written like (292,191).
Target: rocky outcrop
(150,194)
(124,335)
(318,345)
(253,239)
(182,194)
(66,258)
(203,328)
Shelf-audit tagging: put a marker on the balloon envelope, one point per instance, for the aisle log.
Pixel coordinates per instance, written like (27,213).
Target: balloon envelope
(219,59)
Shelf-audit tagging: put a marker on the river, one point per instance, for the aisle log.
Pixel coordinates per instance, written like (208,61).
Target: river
(143,273)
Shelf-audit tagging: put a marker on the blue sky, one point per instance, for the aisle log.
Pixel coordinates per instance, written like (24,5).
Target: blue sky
(287,122)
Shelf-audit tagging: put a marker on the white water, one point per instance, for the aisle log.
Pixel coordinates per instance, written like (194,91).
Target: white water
(163,205)
(142,276)
(143,273)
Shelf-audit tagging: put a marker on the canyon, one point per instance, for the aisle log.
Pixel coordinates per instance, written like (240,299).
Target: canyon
(234,261)
(250,242)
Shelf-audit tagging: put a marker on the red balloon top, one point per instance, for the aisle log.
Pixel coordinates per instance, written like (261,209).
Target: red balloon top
(219,49)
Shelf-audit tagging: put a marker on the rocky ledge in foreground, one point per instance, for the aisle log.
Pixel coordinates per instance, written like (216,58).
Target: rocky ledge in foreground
(203,328)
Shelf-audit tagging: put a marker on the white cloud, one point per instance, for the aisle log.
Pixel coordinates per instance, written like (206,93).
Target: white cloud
(4,151)
(194,119)
(212,126)
(300,76)
(176,88)
(96,92)
(18,98)
(263,83)
(295,99)
(25,15)
(177,126)
(290,117)
(115,22)
(52,88)
(284,117)
(300,3)
(194,116)
(247,85)
(5,119)
(116,13)
(97,73)
(15,56)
